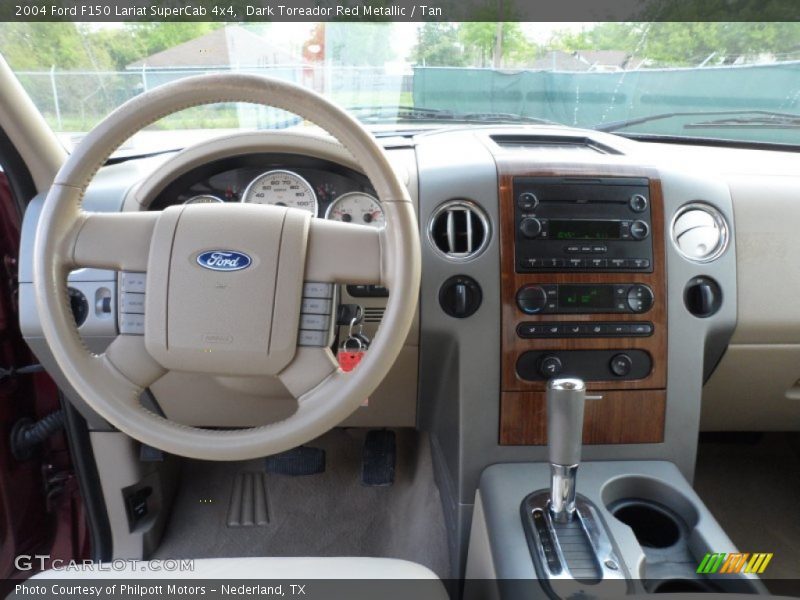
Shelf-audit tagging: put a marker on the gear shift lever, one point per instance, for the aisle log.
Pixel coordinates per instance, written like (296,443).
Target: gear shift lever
(565,402)
(569,542)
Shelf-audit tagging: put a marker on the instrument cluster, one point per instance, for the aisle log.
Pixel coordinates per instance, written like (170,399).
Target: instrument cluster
(324,189)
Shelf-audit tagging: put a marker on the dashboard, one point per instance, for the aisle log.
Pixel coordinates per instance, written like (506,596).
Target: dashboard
(323,188)
(545,251)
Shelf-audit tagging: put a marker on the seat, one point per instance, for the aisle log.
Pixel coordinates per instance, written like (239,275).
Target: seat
(298,568)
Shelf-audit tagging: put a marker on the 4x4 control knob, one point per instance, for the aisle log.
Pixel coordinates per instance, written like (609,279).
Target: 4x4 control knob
(550,366)
(621,365)
(531,299)
(530,227)
(640,298)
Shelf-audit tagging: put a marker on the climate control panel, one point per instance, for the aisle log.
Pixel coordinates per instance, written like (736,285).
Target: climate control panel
(572,298)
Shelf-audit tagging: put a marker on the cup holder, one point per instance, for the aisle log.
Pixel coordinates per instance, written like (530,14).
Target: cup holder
(654,526)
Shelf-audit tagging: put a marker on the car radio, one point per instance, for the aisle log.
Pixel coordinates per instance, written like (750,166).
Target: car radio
(582,224)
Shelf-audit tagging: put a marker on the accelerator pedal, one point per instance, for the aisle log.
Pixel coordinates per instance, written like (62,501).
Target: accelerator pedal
(379,458)
(297,462)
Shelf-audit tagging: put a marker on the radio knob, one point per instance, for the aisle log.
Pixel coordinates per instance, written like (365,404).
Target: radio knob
(550,366)
(531,299)
(530,227)
(527,201)
(639,230)
(640,298)
(638,203)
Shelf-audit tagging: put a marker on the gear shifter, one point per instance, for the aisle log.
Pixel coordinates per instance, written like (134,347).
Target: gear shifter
(569,542)
(565,401)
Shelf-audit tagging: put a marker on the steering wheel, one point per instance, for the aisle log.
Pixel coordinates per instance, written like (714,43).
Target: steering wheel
(239,320)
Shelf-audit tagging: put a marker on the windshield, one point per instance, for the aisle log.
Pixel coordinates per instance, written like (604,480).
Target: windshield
(728,81)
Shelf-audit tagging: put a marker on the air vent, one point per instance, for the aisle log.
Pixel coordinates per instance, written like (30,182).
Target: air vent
(459,230)
(553,143)
(699,232)
(373,314)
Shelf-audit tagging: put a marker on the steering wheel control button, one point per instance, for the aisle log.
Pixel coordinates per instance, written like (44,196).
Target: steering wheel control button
(621,365)
(316,306)
(640,298)
(315,322)
(531,228)
(527,201)
(317,290)
(550,366)
(531,299)
(639,230)
(133,282)
(312,338)
(130,302)
(131,324)
(638,203)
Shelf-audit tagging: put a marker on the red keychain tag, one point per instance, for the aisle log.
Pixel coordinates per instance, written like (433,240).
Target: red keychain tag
(349,360)
(350,353)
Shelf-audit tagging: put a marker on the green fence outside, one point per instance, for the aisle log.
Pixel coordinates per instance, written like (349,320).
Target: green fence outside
(585,99)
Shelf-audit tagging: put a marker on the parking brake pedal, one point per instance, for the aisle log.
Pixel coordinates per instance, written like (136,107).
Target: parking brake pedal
(296,462)
(379,457)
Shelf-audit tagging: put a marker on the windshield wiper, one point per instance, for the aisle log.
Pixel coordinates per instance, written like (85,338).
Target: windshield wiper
(761,121)
(755,114)
(397,114)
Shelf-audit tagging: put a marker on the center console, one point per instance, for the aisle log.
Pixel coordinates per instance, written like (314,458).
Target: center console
(583,295)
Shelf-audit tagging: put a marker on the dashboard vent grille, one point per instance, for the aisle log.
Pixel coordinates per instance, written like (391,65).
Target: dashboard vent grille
(551,143)
(459,230)
(373,314)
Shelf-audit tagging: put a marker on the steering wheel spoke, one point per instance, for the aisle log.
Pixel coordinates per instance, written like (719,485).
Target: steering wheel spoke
(119,241)
(128,356)
(344,253)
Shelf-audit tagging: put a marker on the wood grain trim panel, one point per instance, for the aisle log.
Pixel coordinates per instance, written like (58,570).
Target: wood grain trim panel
(511,281)
(620,417)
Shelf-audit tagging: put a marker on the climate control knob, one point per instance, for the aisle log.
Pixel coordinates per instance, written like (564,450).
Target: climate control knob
(639,230)
(531,299)
(640,298)
(530,227)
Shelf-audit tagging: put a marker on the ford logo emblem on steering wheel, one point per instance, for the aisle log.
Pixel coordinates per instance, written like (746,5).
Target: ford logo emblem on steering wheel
(224,260)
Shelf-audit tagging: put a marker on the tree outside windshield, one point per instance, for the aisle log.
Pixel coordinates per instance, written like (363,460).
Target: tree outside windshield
(735,81)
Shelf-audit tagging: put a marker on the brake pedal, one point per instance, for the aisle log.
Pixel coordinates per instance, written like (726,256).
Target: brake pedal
(297,462)
(379,458)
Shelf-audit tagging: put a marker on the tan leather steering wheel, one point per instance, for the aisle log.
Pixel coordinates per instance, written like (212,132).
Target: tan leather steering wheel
(241,322)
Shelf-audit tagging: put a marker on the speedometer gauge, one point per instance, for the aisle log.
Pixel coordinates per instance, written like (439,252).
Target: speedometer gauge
(281,188)
(357,207)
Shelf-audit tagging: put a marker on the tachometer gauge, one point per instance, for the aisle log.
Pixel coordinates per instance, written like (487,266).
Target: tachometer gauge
(357,207)
(281,188)
(204,199)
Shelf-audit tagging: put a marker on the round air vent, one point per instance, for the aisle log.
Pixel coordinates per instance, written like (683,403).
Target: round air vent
(459,230)
(699,232)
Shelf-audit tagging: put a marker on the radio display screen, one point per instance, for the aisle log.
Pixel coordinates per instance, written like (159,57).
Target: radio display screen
(562,229)
(586,296)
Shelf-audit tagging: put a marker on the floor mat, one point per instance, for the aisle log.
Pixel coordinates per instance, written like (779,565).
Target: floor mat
(327,514)
(753,490)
